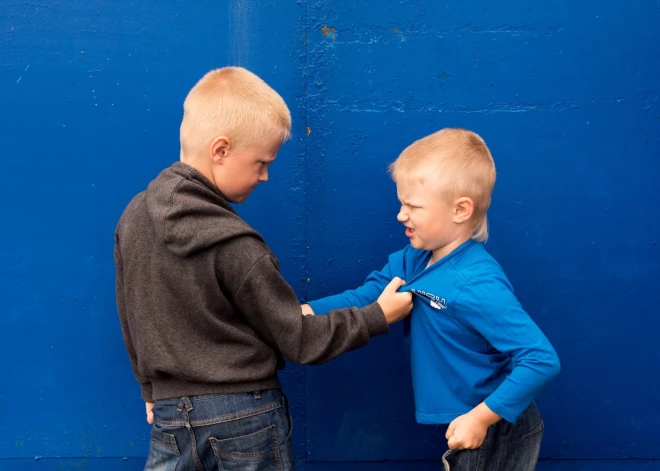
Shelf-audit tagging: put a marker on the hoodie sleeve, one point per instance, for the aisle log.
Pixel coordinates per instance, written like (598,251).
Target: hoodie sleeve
(272,309)
(145,384)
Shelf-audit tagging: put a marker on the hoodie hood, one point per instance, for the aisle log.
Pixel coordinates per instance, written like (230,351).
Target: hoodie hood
(189,213)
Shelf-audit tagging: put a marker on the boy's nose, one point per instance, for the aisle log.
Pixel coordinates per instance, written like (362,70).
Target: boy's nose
(264,176)
(401,217)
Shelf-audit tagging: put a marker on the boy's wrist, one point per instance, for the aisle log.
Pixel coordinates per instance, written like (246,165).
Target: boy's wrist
(485,415)
(307,309)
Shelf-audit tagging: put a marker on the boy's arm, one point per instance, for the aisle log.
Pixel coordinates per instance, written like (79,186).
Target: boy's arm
(145,384)
(272,309)
(365,294)
(488,305)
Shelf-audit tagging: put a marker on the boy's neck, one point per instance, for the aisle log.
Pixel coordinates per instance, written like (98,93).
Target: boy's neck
(442,252)
(198,165)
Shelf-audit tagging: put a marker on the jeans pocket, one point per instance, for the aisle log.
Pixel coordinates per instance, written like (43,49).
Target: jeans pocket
(464,460)
(258,451)
(445,460)
(163,452)
(288,414)
(537,430)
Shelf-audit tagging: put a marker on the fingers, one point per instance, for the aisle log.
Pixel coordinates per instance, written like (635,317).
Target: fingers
(395,284)
(450,430)
(453,443)
(149,409)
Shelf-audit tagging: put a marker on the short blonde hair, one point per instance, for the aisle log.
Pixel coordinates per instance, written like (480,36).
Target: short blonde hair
(235,102)
(460,157)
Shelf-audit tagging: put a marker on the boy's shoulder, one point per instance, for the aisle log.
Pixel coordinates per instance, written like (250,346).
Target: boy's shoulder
(157,197)
(480,281)
(133,216)
(186,213)
(476,262)
(476,270)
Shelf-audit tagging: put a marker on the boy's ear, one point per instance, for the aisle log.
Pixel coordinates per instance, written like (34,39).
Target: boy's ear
(220,149)
(463,209)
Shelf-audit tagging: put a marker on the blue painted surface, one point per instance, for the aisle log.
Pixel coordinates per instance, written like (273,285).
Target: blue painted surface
(566,94)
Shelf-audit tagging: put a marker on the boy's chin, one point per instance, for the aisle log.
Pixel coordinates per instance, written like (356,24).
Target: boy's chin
(238,199)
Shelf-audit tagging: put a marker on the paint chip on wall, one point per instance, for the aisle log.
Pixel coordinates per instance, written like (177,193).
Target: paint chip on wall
(329,32)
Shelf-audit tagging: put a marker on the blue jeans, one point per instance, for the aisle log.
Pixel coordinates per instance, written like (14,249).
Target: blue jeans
(246,431)
(507,447)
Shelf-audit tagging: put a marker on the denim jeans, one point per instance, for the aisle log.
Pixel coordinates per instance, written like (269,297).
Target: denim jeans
(246,431)
(507,447)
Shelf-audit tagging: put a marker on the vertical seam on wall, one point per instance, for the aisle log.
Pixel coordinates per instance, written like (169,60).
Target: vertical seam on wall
(306,206)
(306,159)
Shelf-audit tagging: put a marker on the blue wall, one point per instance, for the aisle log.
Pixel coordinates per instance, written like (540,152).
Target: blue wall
(565,93)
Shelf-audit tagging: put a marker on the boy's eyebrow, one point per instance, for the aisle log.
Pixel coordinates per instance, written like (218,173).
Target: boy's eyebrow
(410,203)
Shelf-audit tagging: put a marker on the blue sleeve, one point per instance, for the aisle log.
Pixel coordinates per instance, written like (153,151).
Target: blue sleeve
(368,292)
(488,305)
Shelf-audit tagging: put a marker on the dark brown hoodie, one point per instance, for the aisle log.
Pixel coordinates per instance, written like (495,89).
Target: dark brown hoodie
(202,305)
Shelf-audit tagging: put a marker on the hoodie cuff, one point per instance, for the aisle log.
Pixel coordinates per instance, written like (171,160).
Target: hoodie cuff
(375,319)
(147,394)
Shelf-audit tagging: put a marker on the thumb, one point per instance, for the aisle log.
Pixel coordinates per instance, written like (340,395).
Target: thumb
(150,414)
(395,284)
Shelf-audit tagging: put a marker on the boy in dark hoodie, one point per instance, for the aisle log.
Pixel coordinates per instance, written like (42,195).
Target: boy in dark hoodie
(205,314)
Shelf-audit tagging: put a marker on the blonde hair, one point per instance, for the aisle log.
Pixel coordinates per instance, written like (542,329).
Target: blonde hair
(460,157)
(235,102)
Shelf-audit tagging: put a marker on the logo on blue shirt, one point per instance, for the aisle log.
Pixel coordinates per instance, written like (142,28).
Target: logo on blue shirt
(436,301)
